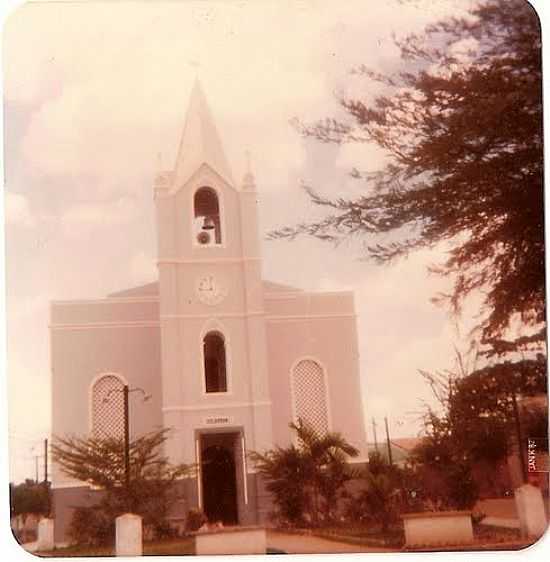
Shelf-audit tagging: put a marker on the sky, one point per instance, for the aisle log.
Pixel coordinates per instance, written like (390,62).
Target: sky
(94,91)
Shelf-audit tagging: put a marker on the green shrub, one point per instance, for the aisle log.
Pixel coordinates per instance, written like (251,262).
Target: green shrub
(195,520)
(90,526)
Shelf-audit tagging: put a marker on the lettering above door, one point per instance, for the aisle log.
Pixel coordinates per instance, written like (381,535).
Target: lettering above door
(217,420)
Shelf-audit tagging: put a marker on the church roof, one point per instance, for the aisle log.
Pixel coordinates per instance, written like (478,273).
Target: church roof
(200,142)
(152,289)
(148,290)
(271,287)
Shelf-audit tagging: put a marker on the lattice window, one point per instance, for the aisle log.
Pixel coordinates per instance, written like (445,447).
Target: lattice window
(108,408)
(309,395)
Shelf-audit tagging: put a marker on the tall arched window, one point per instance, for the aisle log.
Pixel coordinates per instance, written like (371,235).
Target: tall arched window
(215,371)
(207,226)
(108,407)
(309,395)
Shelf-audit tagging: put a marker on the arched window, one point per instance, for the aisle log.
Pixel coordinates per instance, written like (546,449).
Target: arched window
(207,225)
(215,371)
(309,395)
(108,407)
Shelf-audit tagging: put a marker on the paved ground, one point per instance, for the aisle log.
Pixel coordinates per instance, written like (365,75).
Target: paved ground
(295,544)
(303,544)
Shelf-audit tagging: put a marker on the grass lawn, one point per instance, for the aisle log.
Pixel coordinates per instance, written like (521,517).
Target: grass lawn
(174,547)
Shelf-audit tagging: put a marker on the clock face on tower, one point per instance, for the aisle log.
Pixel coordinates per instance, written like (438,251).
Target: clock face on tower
(210,290)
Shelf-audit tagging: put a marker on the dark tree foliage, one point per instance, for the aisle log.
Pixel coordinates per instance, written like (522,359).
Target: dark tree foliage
(465,168)
(477,427)
(29,497)
(100,462)
(488,392)
(482,411)
(443,477)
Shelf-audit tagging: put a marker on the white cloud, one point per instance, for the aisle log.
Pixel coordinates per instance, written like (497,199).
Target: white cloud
(87,218)
(112,85)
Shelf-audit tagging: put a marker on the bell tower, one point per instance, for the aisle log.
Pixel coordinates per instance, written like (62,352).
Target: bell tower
(213,333)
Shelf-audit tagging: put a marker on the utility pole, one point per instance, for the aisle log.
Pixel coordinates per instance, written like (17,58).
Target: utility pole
(126,438)
(36,457)
(519,438)
(46,461)
(390,458)
(374,433)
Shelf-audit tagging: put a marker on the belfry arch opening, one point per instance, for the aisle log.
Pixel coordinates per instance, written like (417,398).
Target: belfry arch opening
(207,224)
(215,364)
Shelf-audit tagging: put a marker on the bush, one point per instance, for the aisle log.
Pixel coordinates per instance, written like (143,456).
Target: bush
(379,500)
(163,530)
(90,526)
(195,520)
(29,497)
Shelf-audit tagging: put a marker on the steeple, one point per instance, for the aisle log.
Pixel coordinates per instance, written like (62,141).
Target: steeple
(200,142)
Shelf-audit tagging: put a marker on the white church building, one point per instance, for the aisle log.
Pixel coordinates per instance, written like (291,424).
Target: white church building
(227,358)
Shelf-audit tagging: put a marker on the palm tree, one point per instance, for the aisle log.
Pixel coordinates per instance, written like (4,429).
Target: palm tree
(307,477)
(380,497)
(287,476)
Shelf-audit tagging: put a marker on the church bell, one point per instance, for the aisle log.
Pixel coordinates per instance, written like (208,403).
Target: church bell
(208,224)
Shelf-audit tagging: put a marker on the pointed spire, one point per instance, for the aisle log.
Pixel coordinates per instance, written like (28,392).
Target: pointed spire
(200,142)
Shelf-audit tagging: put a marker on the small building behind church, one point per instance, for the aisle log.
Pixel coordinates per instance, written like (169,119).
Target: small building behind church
(228,358)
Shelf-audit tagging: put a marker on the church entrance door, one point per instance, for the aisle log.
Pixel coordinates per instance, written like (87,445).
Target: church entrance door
(219,480)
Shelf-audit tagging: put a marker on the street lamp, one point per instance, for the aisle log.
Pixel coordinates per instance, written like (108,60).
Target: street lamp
(126,390)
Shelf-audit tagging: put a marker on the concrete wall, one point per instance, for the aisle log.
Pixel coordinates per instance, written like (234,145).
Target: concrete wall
(64,500)
(438,528)
(322,328)
(91,339)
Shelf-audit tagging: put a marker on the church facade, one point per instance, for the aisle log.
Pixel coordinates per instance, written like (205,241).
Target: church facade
(225,358)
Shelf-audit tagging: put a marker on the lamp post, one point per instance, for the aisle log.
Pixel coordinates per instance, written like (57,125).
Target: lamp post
(126,390)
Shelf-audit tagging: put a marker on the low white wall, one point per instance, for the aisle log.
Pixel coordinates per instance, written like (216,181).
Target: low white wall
(239,540)
(438,528)
(531,512)
(129,535)
(45,535)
